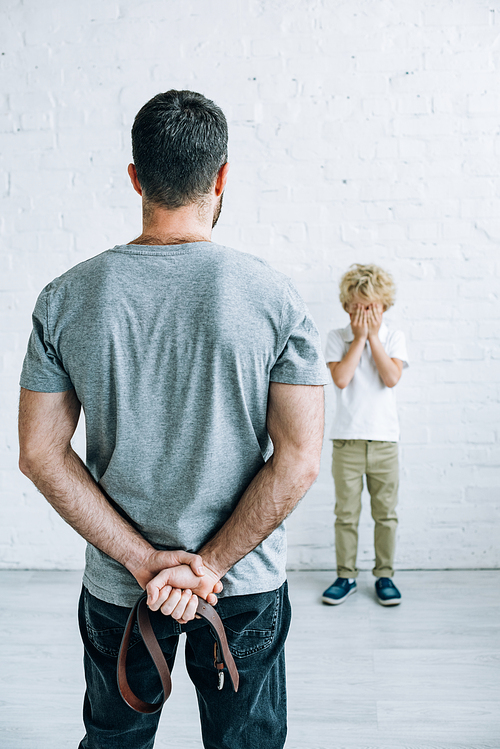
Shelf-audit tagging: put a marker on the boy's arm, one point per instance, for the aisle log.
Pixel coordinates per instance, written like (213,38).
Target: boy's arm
(390,370)
(343,371)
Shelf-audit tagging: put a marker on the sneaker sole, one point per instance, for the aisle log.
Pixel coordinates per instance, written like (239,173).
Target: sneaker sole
(332,602)
(393,602)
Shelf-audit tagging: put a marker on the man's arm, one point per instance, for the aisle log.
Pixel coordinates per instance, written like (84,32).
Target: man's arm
(295,421)
(47,422)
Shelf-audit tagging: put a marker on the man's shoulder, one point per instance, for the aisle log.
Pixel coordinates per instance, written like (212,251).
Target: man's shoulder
(248,271)
(253,277)
(77,273)
(251,262)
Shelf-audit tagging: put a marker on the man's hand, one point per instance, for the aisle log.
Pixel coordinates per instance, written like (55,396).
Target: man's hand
(374,319)
(175,591)
(359,323)
(164,560)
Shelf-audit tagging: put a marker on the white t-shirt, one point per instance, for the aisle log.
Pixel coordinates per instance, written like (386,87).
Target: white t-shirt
(366,408)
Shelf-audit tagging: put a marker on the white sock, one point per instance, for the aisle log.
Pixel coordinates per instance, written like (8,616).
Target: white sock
(351,580)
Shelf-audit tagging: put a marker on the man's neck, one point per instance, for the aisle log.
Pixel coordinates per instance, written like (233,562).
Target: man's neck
(181,226)
(148,239)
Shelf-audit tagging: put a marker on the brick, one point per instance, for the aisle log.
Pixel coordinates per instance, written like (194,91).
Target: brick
(468,371)
(483,494)
(415,434)
(483,309)
(484,103)
(487,414)
(486,287)
(471,352)
(421,331)
(442,352)
(423,231)
(473,208)
(448,14)
(443,433)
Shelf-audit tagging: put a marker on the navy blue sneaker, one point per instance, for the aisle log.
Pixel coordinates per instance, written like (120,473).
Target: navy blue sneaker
(387,593)
(339,591)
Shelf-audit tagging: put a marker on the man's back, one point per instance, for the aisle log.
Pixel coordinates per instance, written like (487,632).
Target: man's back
(171,351)
(189,359)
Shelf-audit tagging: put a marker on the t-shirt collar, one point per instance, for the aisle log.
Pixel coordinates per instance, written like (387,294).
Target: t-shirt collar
(348,335)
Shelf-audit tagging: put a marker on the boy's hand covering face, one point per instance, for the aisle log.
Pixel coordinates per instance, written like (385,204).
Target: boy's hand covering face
(374,318)
(359,321)
(366,319)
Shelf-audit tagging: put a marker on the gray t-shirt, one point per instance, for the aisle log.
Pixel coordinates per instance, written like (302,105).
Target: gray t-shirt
(170,350)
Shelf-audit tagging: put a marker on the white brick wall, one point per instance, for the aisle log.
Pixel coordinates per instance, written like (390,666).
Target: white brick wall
(360,131)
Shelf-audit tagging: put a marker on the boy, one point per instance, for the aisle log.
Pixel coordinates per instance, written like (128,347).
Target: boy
(366,360)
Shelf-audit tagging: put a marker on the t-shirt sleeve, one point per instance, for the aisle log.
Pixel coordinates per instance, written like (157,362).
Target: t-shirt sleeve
(334,347)
(42,369)
(396,347)
(300,361)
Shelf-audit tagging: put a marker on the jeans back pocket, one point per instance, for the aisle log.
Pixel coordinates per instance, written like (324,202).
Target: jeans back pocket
(105,624)
(253,630)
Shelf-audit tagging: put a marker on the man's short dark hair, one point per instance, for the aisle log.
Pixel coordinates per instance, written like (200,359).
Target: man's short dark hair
(179,143)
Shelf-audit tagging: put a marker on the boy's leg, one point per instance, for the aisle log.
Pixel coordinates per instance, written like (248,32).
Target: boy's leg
(256,628)
(382,479)
(110,723)
(348,467)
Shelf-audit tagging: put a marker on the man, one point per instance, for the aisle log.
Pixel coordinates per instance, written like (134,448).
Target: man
(200,374)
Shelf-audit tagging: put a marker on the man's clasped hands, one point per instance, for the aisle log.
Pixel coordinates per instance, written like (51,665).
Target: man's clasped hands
(174,580)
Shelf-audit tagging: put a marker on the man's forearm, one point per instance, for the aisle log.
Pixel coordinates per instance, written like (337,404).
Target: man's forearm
(295,423)
(69,487)
(268,500)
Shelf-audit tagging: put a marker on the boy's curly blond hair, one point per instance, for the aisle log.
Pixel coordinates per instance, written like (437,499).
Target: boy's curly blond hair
(369,282)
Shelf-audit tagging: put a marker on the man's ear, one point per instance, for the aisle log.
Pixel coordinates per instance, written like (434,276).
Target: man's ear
(132,173)
(221,179)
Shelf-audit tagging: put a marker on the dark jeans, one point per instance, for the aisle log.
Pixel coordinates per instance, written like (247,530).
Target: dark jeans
(256,628)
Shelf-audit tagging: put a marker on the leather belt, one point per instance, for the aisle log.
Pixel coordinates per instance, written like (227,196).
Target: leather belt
(222,654)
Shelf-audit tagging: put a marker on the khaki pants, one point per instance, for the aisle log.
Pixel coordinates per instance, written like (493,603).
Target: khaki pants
(378,461)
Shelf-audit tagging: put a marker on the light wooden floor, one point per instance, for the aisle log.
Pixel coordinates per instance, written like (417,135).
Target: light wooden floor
(422,675)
